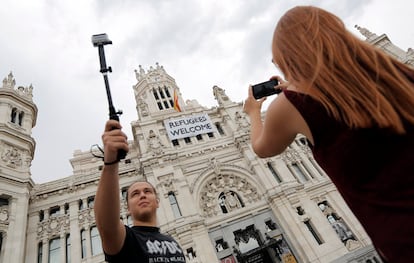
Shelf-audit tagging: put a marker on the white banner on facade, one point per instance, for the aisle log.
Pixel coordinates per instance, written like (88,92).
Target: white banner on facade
(189,126)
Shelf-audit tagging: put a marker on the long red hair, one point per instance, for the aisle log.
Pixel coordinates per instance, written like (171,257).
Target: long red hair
(357,83)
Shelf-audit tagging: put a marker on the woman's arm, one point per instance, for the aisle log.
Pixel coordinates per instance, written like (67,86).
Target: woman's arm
(278,130)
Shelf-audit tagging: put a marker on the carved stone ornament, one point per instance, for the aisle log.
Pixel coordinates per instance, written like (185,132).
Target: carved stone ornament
(210,201)
(9,83)
(154,144)
(12,156)
(220,95)
(4,215)
(241,120)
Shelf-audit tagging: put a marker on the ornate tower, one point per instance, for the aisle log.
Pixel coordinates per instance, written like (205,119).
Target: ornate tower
(18,115)
(154,92)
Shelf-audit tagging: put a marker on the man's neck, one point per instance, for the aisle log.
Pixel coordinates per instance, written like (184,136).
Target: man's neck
(144,223)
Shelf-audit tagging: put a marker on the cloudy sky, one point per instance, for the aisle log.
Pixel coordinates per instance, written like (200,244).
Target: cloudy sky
(47,43)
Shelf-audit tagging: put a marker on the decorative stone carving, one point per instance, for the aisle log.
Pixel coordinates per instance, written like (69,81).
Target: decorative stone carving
(215,165)
(154,144)
(143,107)
(241,120)
(290,156)
(4,215)
(167,184)
(139,74)
(86,217)
(220,95)
(337,223)
(12,157)
(53,226)
(210,202)
(9,82)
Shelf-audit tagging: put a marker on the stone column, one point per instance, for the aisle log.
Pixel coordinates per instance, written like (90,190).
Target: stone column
(16,236)
(75,238)
(45,246)
(63,247)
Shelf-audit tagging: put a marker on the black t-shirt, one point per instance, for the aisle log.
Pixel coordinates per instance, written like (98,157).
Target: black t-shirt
(147,245)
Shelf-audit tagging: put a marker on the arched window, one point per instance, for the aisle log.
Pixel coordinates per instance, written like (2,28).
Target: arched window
(13,115)
(174,205)
(95,241)
(54,250)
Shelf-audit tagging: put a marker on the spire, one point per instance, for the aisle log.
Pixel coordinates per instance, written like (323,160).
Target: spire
(9,82)
(365,32)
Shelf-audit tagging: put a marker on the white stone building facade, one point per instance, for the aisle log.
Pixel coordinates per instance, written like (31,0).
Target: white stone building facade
(217,198)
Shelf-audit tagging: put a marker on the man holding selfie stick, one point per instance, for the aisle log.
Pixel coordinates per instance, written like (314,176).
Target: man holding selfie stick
(142,242)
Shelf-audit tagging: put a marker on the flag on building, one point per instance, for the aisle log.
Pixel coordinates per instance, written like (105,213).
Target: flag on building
(176,104)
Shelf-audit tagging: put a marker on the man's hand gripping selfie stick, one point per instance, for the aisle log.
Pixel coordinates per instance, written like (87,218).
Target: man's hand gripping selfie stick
(100,41)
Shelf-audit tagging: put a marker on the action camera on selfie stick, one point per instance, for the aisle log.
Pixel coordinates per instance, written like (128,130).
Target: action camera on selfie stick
(100,41)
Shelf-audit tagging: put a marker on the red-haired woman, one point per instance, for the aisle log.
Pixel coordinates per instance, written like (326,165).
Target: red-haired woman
(355,105)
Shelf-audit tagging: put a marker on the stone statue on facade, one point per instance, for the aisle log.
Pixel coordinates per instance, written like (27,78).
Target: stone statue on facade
(154,143)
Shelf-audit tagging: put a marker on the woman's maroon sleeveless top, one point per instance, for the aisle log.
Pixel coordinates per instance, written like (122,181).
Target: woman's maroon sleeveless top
(373,169)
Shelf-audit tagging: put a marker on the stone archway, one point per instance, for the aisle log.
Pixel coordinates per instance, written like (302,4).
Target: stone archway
(226,183)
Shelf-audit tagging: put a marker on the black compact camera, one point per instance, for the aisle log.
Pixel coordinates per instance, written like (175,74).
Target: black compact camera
(265,89)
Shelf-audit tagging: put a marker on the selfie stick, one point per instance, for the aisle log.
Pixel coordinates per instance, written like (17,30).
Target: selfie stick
(100,41)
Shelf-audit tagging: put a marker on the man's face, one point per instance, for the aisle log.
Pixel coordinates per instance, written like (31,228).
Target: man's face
(142,201)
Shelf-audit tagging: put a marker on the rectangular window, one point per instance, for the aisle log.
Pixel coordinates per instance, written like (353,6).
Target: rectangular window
(91,201)
(40,252)
(68,248)
(299,173)
(96,243)
(313,231)
(81,205)
(54,211)
(174,205)
(54,250)
(219,128)
(274,173)
(167,92)
(4,201)
(162,94)
(156,95)
(83,243)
